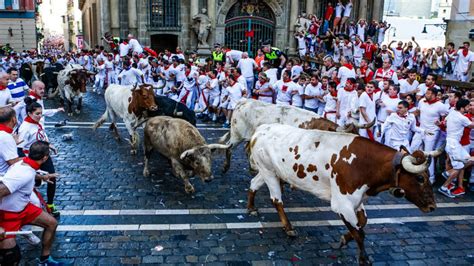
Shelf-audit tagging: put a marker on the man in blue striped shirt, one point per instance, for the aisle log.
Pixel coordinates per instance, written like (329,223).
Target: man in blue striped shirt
(17,86)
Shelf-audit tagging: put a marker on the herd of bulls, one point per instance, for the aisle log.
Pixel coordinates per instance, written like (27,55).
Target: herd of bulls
(285,144)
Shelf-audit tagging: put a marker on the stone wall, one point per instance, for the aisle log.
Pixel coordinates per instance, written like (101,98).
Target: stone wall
(24,33)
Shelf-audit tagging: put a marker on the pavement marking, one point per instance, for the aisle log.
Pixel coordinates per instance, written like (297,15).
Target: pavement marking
(249,225)
(244,211)
(107,123)
(122,127)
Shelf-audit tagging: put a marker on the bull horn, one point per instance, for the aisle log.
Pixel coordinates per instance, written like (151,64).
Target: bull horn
(436,152)
(364,126)
(90,73)
(408,163)
(134,86)
(216,146)
(186,153)
(56,73)
(347,128)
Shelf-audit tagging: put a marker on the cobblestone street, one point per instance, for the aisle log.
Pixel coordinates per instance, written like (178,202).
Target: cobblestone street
(111,214)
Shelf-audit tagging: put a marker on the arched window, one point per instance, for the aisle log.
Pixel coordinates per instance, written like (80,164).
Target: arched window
(164,15)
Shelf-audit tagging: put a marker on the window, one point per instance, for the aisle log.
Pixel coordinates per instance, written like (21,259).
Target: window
(301,7)
(444,11)
(164,14)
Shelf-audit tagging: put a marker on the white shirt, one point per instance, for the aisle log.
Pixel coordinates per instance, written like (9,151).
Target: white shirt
(311,90)
(7,152)
(272,75)
(369,105)
(5,97)
(400,127)
(429,113)
(348,9)
(331,103)
(407,87)
(296,99)
(390,105)
(423,89)
(462,61)
(247,66)
(398,57)
(131,76)
(29,133)
(344,73)
(135,46)
(20,180)
(235,92)
(345,98)
(283,92)
(234,55)
(296,71)
(455,124)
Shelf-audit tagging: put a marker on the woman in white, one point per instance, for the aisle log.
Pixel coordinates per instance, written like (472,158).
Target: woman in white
(263,90)
(339,8)
(347,14)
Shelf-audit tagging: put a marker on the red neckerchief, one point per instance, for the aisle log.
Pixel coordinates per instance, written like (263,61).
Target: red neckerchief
(334,94)
(435,100)
(399,48)
(393,97)
(36,96)
(349,66)
(3,127)
(371,95)
(286,80)
(402,116)
(430,87)
(410,106)
(30,120)
(166,67)
(31,163)
(376,90)
(324,87)
(348,90)
(465,52)
(2,87)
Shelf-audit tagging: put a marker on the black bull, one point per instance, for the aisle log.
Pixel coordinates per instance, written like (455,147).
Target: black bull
(50,77)
(169,107)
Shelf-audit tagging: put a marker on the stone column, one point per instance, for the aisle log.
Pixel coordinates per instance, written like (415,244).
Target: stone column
(104,17)
(362,10)
(377,10)
(194,10)
(132,15)
(293,17)
(114,18)
(211,12)
(309,7)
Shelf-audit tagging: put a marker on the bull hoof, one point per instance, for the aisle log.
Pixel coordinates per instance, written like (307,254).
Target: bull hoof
(252,212)
(189,190)
(146,173)
(342,242)
(364,260)
(226,168)
(291,233)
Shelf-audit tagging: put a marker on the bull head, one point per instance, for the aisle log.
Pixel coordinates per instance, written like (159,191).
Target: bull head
(143,99)
(199,159)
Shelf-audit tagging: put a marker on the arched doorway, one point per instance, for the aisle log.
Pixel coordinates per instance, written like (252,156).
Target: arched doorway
(249,18)
(160,42)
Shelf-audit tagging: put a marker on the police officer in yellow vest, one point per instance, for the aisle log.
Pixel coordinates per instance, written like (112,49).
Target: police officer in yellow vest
(218,55)
(275,57)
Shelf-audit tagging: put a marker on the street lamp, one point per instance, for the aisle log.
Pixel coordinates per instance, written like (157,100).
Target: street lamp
(439,25)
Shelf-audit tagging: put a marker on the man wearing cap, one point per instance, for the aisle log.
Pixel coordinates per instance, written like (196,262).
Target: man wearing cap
(218,55)
(275,57)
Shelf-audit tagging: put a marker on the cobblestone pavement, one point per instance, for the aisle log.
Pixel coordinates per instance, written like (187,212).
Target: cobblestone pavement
(111,214)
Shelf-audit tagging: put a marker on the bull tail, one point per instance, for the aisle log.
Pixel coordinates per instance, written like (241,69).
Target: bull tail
(224,139)
(101,120)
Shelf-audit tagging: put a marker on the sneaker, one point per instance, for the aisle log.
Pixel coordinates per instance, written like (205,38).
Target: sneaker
(443,190)
(445,174)
(458,191)
(54,211)
(32,239)
(226,125)
(50,262)
(451,186)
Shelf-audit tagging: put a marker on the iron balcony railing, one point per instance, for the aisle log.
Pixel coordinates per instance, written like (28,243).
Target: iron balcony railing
(164,15)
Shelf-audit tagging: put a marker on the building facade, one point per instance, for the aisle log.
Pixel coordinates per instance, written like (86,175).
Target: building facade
(164,24)
(461,22)
(17,24)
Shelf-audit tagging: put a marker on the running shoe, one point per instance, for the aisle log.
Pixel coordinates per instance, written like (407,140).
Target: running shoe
(459,191)
(445,191)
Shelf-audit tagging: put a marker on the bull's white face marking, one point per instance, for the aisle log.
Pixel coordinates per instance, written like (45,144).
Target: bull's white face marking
(349,161)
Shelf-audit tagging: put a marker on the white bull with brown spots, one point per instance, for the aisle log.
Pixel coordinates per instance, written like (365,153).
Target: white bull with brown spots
(341,168)
(183,145)
(249,114)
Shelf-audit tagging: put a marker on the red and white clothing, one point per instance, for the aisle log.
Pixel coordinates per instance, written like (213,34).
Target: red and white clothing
(367,74)
(5,96)
(297,92)
(265,92)
(283,92)
(8,151)
(311,90)
(464,57)
(345,99)
(390,106)
(406,87)
(388,74)
(345,71)
(359,50)
(368,102)
(397,57)
(235,93)
(397,130)
(423,87)
(455,124)
(29,132)
(330,107)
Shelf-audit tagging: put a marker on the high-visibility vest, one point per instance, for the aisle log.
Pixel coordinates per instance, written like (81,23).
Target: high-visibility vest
(272,55)
(217,56)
